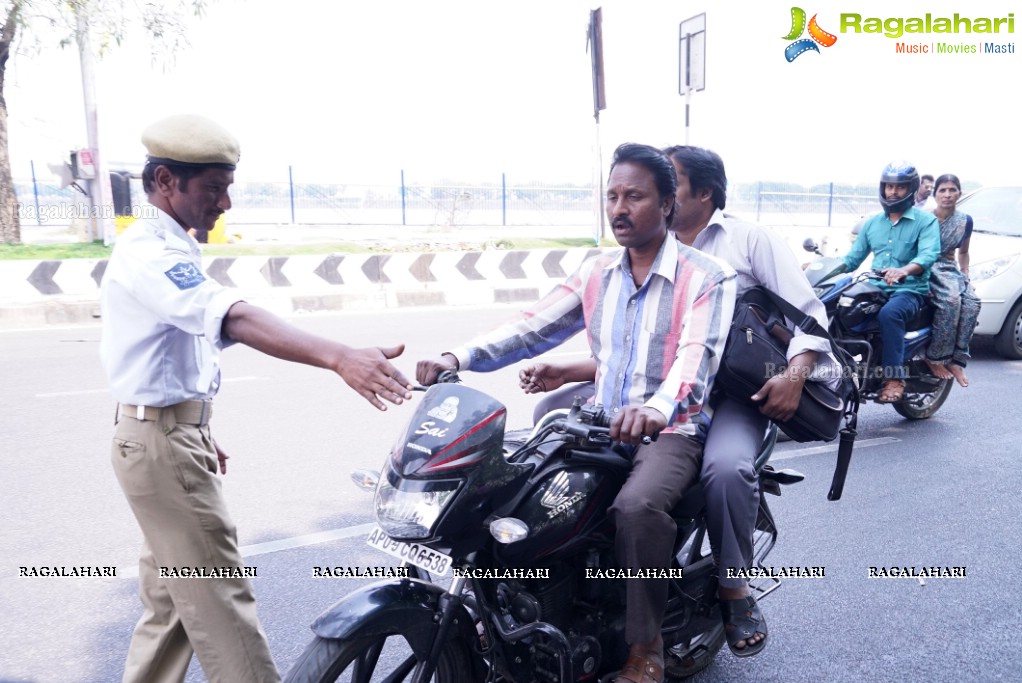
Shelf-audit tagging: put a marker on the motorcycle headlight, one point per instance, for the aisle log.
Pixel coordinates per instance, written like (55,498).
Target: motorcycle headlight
(993,268)
(410,509)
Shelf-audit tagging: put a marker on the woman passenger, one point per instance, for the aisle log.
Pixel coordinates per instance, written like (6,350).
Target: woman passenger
(956,304)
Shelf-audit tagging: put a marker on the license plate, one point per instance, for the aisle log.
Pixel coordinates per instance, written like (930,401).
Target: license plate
(421,556)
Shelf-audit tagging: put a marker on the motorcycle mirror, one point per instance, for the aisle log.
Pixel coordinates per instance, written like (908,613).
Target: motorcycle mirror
(508,530)
(366,479)
(809,245)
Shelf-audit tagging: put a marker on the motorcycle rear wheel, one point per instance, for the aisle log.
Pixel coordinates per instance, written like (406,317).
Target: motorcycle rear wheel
(931,405)
(359,661)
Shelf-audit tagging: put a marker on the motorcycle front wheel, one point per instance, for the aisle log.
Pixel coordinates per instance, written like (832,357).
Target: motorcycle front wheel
(373,659)
(929,405)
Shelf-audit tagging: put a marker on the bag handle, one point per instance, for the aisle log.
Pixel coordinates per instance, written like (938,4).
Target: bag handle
(805,322)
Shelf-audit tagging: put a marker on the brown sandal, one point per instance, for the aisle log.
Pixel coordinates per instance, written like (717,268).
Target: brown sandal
(642,668)
(893,391)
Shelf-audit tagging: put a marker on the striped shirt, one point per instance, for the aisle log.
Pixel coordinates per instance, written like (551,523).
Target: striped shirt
(657,345)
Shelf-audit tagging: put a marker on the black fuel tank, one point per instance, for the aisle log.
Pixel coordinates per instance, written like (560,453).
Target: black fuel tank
(566,508)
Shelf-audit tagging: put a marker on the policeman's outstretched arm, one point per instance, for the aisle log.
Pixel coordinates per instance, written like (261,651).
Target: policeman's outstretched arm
(368,371)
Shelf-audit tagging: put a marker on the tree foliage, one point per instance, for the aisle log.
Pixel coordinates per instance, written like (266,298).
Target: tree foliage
(109,23)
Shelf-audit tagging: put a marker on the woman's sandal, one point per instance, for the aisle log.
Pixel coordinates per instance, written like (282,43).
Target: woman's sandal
(893,391)
(742,620)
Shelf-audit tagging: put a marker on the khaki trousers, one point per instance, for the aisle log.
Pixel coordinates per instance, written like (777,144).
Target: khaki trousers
(645,532)
(168,472)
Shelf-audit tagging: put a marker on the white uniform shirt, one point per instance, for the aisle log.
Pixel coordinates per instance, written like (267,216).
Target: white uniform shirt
(761,257)
(162,317)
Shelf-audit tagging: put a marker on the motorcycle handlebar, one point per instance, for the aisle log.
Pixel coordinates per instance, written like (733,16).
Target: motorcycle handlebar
(445,377)
(593,423)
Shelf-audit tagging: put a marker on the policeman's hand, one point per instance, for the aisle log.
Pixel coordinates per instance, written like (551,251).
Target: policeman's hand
(427,371)
(221,456)
(632,423)
(779,397)
(369,372)
(894,275)
(541,377)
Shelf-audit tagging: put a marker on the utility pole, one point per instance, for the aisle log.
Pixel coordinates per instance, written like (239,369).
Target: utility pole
(594,43)
(99,187)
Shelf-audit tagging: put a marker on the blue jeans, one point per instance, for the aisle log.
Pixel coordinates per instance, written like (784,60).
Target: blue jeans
(893,317)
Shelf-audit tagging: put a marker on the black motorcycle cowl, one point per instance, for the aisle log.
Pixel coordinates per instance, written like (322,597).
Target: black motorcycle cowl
(453,428)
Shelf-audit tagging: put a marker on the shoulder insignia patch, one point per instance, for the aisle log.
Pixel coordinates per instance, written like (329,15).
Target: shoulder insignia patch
(185,275)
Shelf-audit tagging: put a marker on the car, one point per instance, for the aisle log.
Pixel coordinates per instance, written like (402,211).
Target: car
(995,255)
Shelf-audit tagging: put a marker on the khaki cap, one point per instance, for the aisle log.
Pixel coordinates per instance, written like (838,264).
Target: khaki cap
(191,140)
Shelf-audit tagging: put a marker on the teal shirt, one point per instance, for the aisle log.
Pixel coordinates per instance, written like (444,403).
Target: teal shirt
(915,238)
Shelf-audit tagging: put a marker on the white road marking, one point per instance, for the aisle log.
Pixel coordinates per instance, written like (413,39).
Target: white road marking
(282,544)
(832,448)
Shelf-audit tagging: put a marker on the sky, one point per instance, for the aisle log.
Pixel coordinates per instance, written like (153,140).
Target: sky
(357,92)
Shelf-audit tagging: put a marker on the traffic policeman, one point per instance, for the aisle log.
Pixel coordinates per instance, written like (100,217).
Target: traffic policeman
(164,325)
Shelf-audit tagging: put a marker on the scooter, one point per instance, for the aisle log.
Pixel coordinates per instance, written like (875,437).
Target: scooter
(852,303)
(509,551)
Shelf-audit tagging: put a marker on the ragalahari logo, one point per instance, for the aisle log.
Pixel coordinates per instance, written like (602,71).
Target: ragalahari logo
(798,26)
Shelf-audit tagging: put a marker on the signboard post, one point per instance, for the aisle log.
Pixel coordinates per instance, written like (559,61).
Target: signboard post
(691,60)
(594,42)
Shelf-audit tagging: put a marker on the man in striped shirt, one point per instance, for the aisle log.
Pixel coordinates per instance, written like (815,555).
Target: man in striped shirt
(656,314)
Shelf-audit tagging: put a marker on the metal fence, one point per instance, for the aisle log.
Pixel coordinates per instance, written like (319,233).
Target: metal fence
(454,204)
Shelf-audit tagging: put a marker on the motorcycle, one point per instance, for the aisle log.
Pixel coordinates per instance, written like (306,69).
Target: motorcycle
(852,303)
(520,520)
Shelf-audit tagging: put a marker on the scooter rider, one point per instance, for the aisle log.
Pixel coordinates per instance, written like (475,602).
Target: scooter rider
(905,243)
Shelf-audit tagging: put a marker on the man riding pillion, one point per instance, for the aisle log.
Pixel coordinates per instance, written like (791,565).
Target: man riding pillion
(905,243)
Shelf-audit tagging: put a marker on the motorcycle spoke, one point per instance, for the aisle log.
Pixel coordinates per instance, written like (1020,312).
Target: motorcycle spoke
(402,671)
(364,666)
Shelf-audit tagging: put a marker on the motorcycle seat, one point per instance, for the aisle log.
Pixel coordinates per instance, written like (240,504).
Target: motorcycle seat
(923,318)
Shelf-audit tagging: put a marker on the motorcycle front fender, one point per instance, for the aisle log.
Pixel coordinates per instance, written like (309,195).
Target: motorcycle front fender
(407,606)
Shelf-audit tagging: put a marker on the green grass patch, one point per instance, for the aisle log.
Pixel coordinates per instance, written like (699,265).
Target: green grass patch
(96,250)
(52,252)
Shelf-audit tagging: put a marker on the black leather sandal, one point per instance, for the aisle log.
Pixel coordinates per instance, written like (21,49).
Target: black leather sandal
(742,620)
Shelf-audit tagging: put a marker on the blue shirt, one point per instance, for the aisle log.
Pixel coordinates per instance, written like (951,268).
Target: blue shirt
(915,238)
